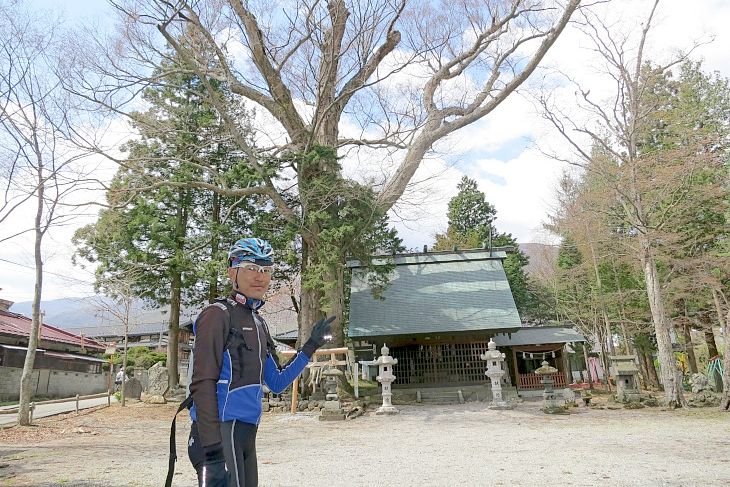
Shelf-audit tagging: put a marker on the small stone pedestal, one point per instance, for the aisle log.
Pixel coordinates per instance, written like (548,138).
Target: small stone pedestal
(495,372)
(550,402)
(385,365)
(624,371)
(332,408)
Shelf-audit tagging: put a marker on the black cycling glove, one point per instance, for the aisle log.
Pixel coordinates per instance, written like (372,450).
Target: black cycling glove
(321,334)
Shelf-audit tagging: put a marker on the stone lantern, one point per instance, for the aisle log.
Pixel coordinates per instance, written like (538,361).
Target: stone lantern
(385,365)
(332,408)
(624,371)
(551,404)
(495,372)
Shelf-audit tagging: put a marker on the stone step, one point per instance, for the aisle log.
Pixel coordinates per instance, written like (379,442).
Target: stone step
(440,397)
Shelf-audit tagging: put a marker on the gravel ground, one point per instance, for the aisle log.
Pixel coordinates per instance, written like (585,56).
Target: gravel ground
(466,445)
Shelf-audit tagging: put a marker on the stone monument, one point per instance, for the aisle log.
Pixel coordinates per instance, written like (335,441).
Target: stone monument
(703,396)
(551,404)
(699,383)
(495,372)
(624,371)
(157,380)
(132,389)
(332,407)
(385,365)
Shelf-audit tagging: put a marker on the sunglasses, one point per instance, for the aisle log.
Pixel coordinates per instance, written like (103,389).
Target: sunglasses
(263,269)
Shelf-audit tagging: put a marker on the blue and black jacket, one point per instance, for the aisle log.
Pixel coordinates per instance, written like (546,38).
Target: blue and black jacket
(234,357)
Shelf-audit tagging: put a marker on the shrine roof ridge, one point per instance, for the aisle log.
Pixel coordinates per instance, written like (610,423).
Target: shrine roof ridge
(436,257)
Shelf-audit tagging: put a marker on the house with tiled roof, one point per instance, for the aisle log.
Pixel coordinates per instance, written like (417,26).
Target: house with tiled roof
(65,363)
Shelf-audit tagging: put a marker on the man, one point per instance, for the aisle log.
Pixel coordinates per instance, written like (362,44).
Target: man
(234,357)
(120,377)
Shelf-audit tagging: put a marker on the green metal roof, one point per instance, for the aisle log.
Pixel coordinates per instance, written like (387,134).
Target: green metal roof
(442,292)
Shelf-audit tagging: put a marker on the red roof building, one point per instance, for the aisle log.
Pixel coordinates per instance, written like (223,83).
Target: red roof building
(15,330)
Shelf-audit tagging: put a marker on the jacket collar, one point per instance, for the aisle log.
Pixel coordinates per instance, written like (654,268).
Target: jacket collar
(241,298)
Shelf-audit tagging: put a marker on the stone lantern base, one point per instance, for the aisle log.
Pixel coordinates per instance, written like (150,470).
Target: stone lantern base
(386,410)
(555,409)
(500,405)
(553,405)
(332,411)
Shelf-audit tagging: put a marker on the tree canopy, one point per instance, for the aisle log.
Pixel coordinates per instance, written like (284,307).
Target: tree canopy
(471,225)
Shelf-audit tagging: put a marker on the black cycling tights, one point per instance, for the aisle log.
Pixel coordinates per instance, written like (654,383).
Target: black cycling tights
(239,449)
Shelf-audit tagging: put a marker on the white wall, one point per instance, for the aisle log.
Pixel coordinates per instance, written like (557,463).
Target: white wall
(51,383)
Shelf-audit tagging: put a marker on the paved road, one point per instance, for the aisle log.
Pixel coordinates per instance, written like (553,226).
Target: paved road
(43,410)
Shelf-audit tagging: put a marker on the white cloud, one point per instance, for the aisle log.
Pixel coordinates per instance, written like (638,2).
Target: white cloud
(499,151)
(521,186)
(61,278)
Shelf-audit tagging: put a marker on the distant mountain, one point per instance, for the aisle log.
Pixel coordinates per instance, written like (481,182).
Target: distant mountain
(72,313)
(62,313)
(81,312)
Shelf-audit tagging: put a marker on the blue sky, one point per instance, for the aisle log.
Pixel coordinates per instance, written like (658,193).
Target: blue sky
(498,151)
(79,10)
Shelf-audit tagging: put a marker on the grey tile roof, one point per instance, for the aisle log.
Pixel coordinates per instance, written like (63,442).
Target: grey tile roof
(435,292)
(291,335)
(108,331)
(539,335)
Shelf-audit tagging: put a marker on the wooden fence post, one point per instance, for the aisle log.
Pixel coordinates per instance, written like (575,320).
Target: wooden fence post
(356,376)
(294,395)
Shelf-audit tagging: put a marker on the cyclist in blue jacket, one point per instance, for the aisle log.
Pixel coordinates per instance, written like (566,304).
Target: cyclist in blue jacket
(234,357)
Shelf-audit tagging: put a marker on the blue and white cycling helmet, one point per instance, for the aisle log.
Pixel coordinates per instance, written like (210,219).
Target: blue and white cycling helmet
(255,250)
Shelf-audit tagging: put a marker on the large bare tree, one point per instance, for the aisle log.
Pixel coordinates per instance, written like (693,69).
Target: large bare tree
(39,166)
(647,169)
(390,77)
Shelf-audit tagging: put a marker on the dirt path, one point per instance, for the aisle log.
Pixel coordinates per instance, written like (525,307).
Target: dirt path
(422,446)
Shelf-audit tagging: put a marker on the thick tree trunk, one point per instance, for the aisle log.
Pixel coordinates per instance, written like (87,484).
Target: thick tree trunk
(26,388)
(710,341)
(309,301)
(653,371)
(651,374)
(671,379)
(173,336)
(174,331)
(643,372)
(691,358)
(335,297)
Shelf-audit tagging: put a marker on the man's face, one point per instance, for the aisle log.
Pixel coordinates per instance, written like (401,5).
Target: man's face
(250,281)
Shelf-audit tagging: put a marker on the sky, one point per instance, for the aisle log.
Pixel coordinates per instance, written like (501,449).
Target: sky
(504,152)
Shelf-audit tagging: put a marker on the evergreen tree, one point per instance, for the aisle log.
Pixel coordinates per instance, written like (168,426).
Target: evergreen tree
(175,236)
(471,220)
